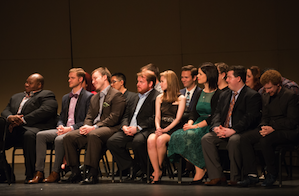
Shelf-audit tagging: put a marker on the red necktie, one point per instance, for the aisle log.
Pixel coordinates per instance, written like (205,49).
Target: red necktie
(230,111)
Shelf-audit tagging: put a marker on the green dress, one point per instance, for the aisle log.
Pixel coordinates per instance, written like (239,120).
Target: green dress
(188,143)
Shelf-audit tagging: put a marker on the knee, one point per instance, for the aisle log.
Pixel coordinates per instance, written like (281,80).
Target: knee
(58,141)
(151,142)
(28,135)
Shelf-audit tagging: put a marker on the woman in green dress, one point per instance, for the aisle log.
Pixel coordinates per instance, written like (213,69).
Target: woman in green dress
(187,141)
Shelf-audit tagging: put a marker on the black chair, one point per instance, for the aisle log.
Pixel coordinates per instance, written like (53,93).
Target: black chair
(281,152)
(104,160)
(3,162)
(50,146)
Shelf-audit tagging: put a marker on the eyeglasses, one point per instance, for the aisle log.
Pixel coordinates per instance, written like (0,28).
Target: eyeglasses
(114,81)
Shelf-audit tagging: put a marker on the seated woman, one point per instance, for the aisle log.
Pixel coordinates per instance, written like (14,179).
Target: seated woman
(170,106)
(187,141)
(222,69)
(253,78)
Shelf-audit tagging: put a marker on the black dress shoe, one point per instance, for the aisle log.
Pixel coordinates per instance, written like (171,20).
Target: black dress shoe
(248,181)
(90,180)
(74,178)
(269,181)
(196,182)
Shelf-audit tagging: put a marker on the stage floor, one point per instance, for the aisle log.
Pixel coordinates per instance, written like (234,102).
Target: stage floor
(167,187)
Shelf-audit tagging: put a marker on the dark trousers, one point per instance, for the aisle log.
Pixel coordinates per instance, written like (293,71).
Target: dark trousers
(268,145)
(24,137)
(95,141)
(117,146)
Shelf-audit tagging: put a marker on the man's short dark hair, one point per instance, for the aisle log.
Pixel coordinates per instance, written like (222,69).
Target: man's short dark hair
(192,69)
(239,70)
(120,76)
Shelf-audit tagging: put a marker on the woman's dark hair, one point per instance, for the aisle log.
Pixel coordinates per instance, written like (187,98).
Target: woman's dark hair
(212,74)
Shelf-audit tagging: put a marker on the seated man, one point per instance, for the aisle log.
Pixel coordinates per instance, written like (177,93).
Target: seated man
(137,125)
(102,121)
(238,111)
(280,118)
(28,113)
(74,108)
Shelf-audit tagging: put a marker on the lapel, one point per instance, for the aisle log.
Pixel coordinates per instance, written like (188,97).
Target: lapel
(227,102)
(30,100)
(148,99)
(240,97)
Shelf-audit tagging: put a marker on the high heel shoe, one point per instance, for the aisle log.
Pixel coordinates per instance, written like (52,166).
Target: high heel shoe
(158,181)
(198,182)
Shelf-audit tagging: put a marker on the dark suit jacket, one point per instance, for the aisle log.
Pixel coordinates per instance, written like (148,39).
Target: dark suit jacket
(81,109)
(131,98)
(111,114)
(146,115)
(214,102)
(192,105)
(246,112)
(40,111)
(283,111)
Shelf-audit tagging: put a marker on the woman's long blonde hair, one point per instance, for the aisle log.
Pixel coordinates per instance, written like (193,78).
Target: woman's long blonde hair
(173,86)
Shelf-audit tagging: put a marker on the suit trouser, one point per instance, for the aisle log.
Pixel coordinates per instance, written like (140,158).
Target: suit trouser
(117,146)
(268,145)
(95,140)
(44,137)
(25,137)
(209,144)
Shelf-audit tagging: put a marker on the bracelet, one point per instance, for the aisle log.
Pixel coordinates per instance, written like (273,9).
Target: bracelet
(197,125)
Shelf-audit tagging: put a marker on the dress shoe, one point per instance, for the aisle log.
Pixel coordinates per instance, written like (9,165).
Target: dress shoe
(232,183)
(216,181)
(74,178)
(196,182)
(27,179)
(91,179)
(250,180)
(269,181)
(39,176)
(53,177)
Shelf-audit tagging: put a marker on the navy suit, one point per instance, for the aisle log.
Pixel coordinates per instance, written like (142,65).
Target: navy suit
(145,119)
(40,113)
(192,103)
(50,136)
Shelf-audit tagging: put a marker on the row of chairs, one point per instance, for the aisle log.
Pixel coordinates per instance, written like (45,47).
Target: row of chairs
(281,151)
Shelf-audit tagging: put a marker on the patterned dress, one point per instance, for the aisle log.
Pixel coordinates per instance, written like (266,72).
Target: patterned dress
(188,143)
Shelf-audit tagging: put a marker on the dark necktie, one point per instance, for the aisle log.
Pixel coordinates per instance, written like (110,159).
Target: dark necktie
(74,95)
(230,111)
(188,99)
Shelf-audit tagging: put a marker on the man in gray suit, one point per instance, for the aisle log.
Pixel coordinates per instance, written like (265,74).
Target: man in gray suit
(28,113)
(74,108)
(101,122)
(238,110)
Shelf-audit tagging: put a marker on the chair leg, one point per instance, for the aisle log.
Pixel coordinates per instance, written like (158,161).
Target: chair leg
(280,170)
(291,165)
(148,170)
(180,170)
(112,169)
(51,160)
(13,163)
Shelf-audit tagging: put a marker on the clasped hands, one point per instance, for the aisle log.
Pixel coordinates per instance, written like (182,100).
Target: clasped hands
(265,130)
(62,130)
(14,121)
(223,132)
(130,131)
(84,130)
